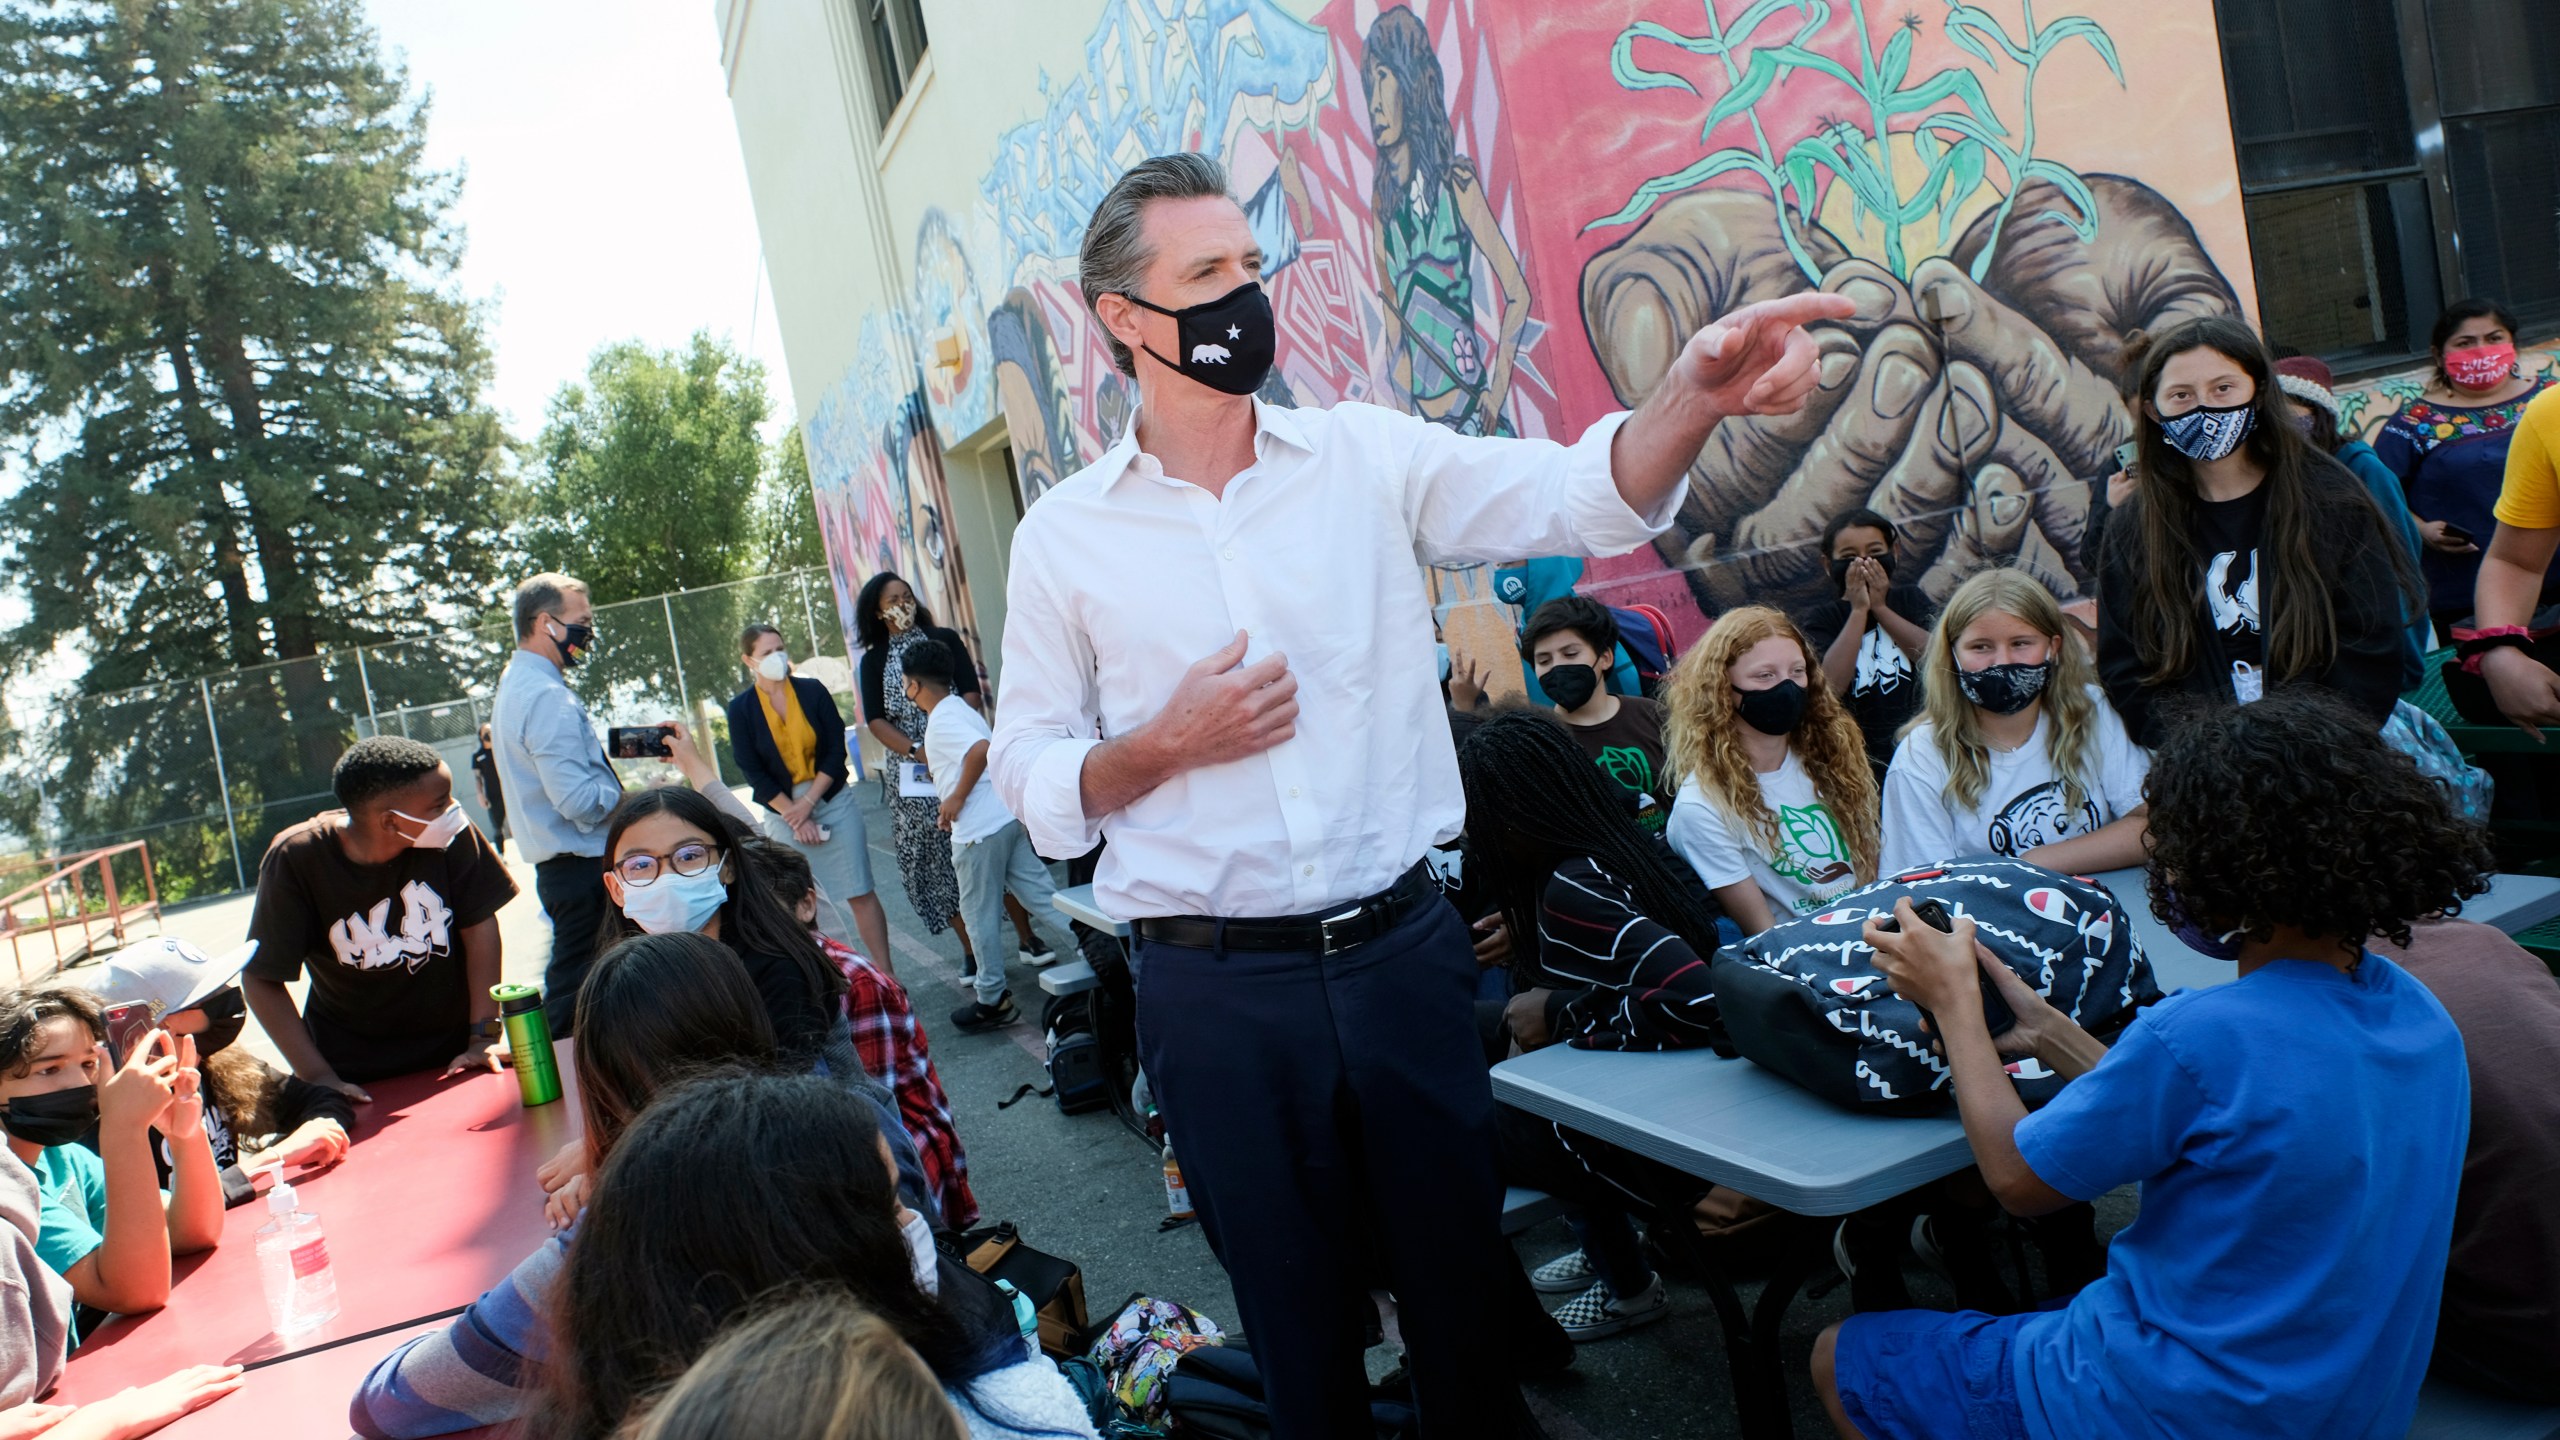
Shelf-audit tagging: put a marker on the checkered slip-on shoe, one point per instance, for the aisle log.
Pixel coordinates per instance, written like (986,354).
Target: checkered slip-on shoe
(1592,1315)
(1568,1275)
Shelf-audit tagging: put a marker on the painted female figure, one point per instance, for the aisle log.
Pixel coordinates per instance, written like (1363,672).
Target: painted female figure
(1432,222)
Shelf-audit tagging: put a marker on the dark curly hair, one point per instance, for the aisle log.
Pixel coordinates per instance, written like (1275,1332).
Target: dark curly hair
(2294,811)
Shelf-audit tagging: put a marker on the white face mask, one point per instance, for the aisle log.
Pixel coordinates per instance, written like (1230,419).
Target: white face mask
(439,832)
(774,666)
(675,903)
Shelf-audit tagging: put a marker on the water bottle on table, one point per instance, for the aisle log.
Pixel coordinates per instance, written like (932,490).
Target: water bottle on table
(293,1261)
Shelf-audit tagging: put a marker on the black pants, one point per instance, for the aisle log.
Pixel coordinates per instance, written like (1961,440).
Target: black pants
(1327,1108)
(571,888)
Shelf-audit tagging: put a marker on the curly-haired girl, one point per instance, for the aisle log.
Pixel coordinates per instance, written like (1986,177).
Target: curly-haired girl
(1777,804)
(2018,753)
(2298,1133)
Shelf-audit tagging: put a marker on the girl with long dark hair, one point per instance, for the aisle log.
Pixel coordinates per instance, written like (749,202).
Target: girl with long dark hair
(733,1188)
(674,862)
(1622,934)
(654,1010)
(2247,557)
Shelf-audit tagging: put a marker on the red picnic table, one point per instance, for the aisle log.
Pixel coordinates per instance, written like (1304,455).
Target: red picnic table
(434,1203)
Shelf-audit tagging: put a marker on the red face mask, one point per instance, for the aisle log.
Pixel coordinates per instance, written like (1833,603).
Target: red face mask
(2481,367)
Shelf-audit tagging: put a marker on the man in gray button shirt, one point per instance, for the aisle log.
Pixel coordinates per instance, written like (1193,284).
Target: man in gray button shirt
(559,786)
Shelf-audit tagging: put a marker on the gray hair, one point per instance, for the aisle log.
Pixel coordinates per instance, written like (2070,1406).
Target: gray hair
(541,595)
(1115,256)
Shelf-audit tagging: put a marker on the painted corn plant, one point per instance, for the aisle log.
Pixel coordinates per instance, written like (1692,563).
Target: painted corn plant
(1952,128)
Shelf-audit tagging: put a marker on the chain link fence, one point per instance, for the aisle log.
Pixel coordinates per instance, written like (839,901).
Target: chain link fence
(210,770)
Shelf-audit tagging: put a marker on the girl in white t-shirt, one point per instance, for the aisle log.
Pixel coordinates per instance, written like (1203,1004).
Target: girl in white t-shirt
(1777,804)
(2017,752)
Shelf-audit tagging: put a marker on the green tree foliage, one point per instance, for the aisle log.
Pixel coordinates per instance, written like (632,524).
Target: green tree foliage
(245,395)
(789,510)
(648,475)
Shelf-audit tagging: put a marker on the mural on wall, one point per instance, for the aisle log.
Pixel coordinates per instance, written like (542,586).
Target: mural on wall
(1507,218)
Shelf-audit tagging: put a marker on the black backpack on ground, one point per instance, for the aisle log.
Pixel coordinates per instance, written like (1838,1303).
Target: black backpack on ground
(1215,1392)
(1079,1072)
(1805,999)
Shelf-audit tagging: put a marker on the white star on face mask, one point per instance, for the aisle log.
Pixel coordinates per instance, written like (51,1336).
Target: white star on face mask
(1233,333)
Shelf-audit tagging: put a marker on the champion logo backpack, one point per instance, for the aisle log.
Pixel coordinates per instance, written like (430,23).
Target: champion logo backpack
(1805,999)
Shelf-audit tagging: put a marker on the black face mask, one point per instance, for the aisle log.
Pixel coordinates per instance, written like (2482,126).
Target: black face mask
(226,1012)
(57,1117)
(1777,710)
(2005,689)
(575,642)
(1227,343)
(1570,686)
(1840,569)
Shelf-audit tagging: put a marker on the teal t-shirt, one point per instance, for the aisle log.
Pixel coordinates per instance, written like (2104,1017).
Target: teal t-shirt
(73,1219)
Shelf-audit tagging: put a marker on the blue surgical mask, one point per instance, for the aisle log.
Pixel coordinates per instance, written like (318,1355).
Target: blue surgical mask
(675,903)
(1444,662)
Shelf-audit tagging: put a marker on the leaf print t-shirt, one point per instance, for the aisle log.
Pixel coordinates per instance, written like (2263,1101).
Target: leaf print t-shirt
(1811,864)
(383,943)
(1628,749)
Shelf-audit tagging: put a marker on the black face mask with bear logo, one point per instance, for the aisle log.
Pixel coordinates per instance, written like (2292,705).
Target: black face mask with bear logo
(1227,343)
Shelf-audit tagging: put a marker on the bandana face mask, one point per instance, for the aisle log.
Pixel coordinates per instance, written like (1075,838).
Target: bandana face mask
(2206,434)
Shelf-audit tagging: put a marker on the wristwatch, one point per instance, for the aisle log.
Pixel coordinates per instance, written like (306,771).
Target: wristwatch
(492,1029)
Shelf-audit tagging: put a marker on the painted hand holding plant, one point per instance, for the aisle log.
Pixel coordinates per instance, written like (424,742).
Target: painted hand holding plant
(1974,428)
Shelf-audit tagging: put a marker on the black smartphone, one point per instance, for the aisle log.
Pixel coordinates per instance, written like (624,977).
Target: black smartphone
(2125,454)
(1996,1014)
(639,742)
(126,1024)
(2456,532)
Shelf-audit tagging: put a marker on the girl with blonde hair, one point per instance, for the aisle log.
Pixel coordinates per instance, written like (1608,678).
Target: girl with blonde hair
(1777,804)
(2017,752)
(813,1365)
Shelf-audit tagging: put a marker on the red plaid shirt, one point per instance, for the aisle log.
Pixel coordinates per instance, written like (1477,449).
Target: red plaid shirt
(892,1047)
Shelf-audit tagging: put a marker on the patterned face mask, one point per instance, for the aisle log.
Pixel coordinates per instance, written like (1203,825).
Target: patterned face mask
(2206,434)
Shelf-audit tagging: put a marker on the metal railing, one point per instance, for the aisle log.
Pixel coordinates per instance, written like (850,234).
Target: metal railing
(69,886)
(210,770)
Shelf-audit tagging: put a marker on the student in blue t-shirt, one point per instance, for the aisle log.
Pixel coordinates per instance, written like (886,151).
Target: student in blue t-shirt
(2298,1133)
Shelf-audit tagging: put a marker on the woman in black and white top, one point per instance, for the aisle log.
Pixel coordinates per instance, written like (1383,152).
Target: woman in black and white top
(2247,557)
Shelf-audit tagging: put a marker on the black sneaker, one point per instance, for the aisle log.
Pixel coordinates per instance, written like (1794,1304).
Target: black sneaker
(973,1017)
(1040,958)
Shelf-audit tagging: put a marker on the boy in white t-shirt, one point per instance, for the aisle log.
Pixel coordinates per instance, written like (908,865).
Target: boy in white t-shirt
(989,852)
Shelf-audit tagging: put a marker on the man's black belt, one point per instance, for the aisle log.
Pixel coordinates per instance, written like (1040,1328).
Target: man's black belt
(1333,931)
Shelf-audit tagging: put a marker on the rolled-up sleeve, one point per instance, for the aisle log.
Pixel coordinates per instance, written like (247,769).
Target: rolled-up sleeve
(1475,500)
(1048,718)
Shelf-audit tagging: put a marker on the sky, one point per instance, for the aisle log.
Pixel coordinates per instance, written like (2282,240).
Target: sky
(603,195)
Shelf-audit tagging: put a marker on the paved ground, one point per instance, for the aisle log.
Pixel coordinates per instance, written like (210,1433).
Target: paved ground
(1086,1188)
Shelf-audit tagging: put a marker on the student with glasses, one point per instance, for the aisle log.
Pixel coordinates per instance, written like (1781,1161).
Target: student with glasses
(391,905)
(674,863)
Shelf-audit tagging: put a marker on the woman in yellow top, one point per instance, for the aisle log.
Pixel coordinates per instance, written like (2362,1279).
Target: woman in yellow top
(788,739)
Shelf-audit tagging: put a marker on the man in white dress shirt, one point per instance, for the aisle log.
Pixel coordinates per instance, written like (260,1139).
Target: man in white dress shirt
(1233,595)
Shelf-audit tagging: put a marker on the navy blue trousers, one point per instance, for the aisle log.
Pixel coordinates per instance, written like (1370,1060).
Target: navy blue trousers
(1334,1122)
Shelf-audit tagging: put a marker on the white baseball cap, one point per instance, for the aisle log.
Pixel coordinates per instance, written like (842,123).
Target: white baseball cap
(168,974)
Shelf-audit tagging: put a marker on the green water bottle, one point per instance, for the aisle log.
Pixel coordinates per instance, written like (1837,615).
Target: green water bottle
(529,1038)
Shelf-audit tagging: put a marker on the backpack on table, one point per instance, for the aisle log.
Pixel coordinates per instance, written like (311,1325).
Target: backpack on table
(1804,998)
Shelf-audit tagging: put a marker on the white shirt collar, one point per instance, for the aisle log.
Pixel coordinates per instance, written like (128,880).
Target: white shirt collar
(1270,422)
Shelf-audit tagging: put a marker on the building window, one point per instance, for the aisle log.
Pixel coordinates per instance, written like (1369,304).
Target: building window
(894,31)
(2497,65)
(2358,232)
(2340,231)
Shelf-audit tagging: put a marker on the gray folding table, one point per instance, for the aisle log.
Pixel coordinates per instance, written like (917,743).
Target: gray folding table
(1733,1123)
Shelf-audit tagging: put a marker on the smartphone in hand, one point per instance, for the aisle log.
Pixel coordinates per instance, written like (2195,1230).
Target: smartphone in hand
(1996,1014)
(126,1025)
(639,742)
(2456,533)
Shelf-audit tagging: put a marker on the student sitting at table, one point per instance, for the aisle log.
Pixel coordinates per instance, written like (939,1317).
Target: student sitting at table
(653,1010)
(391,903)
(255,1115)
(811,1366)
(771,1183)
(1777,803)
(1622,928)
(2298,1132)
(674,863)
(2497,1331)
(104,1225)
(2019,754)
(891,1045)
(35,1302)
